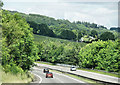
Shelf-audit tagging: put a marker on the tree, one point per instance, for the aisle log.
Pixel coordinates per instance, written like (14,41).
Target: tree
(101,55)
(1,3)
(93,25)
(43,29)
(68,34)
(107,36)
(79,35)
(34,26)
(94,33)
(18,49)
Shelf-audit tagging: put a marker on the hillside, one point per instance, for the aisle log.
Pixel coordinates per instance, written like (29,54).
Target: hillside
(40,39)
(48,26)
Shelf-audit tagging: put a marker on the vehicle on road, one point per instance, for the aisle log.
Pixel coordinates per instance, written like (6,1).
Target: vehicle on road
(72,68)
(49,75)
(45,70)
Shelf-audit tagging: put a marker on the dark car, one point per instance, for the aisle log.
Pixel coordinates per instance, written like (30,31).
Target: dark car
(46,70)
(49,75)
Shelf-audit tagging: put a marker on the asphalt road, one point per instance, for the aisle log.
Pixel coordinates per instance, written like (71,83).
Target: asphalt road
(91,75)
(57,77)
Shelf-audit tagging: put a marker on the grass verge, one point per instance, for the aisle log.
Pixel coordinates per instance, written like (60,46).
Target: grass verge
(10,78)
(100,72)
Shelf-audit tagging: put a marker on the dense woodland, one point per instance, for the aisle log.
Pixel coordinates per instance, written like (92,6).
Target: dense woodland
(25,40)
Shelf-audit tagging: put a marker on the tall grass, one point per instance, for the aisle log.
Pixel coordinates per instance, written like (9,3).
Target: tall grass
(10,78)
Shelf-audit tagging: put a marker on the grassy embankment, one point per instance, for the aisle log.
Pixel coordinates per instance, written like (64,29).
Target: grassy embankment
(10,78)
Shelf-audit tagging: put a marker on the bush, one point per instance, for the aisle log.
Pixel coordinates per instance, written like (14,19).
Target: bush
(67,34)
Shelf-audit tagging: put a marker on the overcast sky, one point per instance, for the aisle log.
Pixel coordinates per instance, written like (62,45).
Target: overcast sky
(102,12)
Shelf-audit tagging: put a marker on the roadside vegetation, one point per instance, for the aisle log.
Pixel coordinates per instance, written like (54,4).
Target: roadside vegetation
(18,49)
(59,51)
(18,78)
(100,55)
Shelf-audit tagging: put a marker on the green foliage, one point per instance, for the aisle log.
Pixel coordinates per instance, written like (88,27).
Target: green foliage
(44,30)
(107,36)
(58,50)
(67,34)
(87,24)
(18,49)
(94,33)
(79,35)
(102,55)
(41,29)
(33,25)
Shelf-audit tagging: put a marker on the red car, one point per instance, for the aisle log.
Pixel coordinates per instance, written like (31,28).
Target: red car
(49,74)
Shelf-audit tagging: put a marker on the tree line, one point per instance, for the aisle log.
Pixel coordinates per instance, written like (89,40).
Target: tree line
(100,55)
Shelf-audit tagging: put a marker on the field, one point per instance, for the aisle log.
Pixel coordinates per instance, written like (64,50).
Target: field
(40,38)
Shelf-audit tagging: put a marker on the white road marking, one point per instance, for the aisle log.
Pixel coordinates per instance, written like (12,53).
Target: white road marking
(38,77)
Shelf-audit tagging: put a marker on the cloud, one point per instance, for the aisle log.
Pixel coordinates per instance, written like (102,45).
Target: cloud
(76,16)
(61,0)
(104,13)
(89,0)
(30,0)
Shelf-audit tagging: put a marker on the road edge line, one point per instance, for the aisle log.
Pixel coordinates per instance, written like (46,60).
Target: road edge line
(38,77)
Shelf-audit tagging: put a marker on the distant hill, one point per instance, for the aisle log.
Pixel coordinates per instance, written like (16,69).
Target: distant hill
(48,26)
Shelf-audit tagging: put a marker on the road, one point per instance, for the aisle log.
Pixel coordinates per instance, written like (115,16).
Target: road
(57,77)
(91,75)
